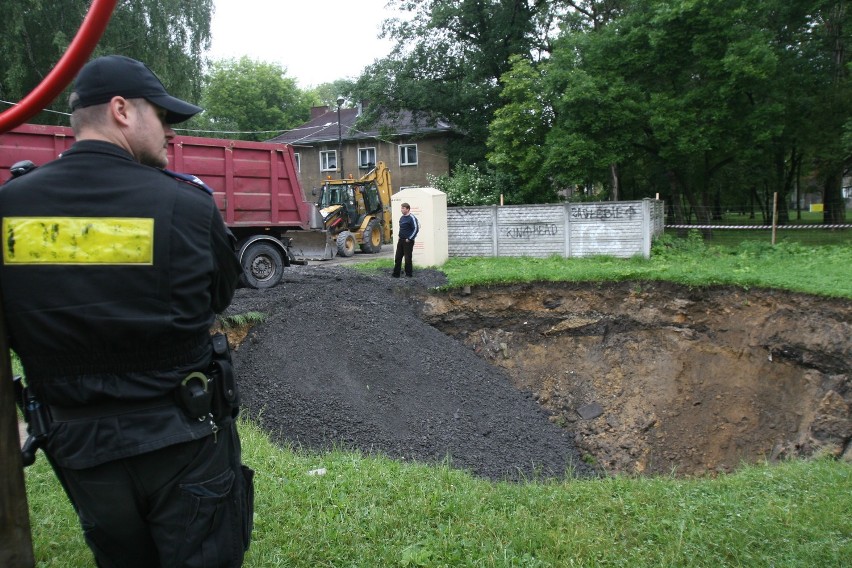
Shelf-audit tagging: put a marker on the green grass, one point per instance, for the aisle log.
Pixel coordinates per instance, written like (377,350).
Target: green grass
(375,512)
(240,320)
(370,511)
(820,270)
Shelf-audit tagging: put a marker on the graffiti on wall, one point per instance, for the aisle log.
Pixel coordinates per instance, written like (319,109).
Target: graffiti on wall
(603,212)
(535,230)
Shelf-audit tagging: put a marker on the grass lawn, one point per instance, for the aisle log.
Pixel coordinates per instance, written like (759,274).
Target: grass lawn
(368,512)
(820,270)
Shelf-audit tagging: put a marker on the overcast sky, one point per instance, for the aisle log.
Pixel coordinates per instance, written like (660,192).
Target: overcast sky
(317,41)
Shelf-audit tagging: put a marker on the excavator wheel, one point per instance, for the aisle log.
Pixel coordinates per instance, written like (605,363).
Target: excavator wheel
(372,238)
(346,244)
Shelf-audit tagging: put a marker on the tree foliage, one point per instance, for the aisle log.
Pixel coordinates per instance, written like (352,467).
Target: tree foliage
(518,129)
(328,93)
(170,36)
(448,59)
(700,100)
(709,103)
(251,98)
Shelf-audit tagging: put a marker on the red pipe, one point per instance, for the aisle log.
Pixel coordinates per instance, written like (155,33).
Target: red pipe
(63,73)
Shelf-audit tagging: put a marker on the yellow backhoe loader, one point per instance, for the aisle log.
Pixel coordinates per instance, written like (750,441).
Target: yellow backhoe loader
(358,212)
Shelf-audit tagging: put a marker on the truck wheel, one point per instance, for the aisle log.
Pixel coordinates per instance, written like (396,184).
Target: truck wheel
(263,266)
(372,238)
(346,244)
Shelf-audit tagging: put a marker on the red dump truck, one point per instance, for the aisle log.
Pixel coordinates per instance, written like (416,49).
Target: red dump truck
(254,184)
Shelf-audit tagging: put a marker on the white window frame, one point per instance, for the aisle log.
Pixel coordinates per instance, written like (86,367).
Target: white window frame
(298,158)
(328,160)
(366,164)
(404,154)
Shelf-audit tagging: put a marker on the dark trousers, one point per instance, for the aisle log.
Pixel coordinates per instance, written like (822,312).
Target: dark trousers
(404,249)
(189,504)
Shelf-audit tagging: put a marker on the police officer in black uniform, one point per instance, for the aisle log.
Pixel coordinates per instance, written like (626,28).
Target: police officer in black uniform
(112,273)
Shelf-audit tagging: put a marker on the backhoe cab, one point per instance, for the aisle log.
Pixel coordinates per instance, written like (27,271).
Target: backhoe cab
(357,212)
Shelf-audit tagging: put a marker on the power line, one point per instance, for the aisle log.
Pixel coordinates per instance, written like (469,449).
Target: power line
(184,129)
(254,132)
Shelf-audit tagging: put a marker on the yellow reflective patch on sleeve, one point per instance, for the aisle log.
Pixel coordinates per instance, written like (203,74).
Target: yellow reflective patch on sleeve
(78,240)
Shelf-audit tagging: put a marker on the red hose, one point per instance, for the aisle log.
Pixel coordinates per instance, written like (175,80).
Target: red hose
(75,57)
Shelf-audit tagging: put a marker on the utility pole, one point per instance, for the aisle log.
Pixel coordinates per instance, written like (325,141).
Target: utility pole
(340,101)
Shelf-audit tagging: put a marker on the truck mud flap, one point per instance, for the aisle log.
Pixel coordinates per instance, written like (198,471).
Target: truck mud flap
(312,245)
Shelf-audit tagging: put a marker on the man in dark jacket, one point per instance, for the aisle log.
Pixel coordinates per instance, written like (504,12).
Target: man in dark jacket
(408,229)
(112,273)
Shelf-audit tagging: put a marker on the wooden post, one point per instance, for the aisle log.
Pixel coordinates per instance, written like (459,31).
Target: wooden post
(774,215)
(16,544)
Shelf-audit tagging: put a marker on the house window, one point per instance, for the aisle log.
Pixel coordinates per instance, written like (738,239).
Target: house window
(408,155)
(298,157)
(328,161)
(366,158)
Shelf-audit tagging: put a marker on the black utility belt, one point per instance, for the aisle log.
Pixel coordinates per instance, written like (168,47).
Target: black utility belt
(108,408)
(199,394)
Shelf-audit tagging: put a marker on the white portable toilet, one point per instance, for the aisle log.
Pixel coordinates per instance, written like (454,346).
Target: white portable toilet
(429,205)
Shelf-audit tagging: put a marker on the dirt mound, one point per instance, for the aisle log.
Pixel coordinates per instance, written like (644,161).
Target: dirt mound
(641,377)
(343,359)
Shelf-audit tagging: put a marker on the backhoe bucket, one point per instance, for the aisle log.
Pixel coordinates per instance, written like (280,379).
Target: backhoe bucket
(312,245)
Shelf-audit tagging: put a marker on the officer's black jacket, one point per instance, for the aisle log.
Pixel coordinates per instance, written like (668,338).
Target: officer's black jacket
(95,331)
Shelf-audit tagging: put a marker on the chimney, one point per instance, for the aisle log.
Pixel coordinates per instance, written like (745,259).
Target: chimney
(317,112)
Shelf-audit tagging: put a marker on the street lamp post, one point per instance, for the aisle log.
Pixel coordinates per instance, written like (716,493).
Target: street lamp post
(340,101)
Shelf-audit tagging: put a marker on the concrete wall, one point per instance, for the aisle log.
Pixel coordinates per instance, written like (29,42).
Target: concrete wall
(621,229)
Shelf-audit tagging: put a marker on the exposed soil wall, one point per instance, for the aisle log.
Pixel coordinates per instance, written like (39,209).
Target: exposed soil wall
(534,380)
(658,378)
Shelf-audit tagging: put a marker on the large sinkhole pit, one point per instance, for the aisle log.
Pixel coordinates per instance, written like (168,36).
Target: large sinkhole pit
(548,379)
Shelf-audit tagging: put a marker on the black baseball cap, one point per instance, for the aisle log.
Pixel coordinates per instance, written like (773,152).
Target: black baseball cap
(111,76)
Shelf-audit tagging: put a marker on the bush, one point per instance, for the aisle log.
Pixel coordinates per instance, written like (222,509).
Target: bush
(668,243)
(467,186)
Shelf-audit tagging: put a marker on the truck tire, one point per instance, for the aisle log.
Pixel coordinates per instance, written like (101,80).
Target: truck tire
(345,244)
(372,238)
(263,266)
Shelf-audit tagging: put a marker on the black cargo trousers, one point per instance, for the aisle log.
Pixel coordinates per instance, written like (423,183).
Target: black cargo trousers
(189,504)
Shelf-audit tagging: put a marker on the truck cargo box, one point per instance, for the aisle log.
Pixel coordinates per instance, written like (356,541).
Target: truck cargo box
(255,183)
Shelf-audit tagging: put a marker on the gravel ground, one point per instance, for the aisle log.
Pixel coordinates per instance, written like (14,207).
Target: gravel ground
(344,360)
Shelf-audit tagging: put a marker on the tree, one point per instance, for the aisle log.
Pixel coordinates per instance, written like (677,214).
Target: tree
(700,99)
(254,99)
(449,57)
(170,36)
(832,159)
(523,135)
(328,93)
(699,65)
(518,130)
